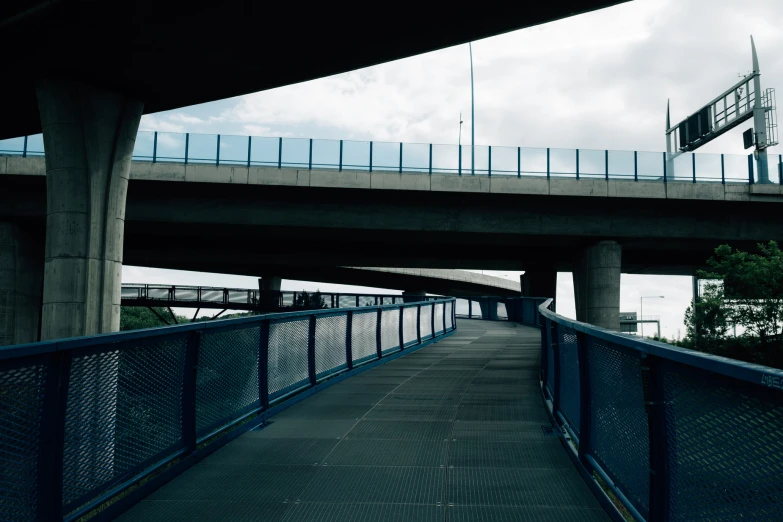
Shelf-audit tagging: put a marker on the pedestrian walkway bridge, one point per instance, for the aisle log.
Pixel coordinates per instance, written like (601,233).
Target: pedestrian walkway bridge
(392,412)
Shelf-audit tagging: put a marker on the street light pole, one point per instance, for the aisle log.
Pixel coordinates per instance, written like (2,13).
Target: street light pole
(641,312)
(472,117)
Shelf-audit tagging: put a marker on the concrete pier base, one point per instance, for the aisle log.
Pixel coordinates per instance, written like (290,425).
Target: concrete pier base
(539,284)
(21,283)
(597,285)
(89,135)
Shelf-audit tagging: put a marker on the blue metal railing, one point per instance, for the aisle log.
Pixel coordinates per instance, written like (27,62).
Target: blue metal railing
(342,155)
(672,434)
(82,420)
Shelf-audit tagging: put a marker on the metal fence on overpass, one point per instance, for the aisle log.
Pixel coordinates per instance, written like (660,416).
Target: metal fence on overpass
(316,154)
(82,420)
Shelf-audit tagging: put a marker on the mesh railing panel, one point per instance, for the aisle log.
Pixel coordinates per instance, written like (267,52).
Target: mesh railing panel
(330,334)
(438,309)
(449,315)
(186,294)
(227,378)
(21,408)
(619,430)
(425,322)
(347,301)
(568,380)
(238,296)
(390,329)
(409,317)
(550,360)
(363,335)
(725,447)
(212,296)
(158,292)
(366,300)
(287,363)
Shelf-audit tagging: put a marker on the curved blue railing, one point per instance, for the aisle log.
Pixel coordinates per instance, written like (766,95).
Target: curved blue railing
(673,434)
(82,420)
(316,154)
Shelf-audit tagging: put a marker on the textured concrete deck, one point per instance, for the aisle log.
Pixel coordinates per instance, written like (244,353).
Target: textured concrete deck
(450,432)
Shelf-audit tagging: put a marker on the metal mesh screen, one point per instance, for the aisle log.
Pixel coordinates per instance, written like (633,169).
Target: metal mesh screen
(725,447)
(158,292)
(130,292)
(287,355)
(213,296)
(363,335)
(227,377)
(238,296)
(329,344)
(438,309)
(409,317)
(449,315)
(347,301)
(568,380)
(366,300)
(390,329)
(619,429)
(550,360)
(425,322)
(501,311)
(186,294)
(21,408)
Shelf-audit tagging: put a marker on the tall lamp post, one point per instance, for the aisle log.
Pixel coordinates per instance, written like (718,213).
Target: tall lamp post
(472,117)
(641,306)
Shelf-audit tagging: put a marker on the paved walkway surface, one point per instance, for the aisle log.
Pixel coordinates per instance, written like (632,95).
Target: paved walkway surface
(450,432)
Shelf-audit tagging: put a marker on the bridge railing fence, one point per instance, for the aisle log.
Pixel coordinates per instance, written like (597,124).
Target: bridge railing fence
(670,433)
(82,420)
(320,154)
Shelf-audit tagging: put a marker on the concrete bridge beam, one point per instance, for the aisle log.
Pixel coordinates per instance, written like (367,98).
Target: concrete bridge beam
(89,135)
(21,284)
(597,285)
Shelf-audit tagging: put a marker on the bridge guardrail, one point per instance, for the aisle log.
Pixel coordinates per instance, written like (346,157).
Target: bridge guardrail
(82,420)
(316,154)
(673,434)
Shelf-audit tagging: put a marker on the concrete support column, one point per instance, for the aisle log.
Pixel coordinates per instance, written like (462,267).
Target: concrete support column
(539,284)
(21,283)
(489,308)
(269,292)
(89,135)
(413,296)
(597,285)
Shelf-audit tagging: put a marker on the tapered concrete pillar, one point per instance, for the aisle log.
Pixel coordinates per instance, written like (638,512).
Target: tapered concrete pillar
(597,285)
(89,136)
(21,283)
(489,308)
(413,296)
(269,292)
(539,284)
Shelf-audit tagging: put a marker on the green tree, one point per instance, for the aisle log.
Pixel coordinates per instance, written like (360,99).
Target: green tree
(305,301)
(137,317)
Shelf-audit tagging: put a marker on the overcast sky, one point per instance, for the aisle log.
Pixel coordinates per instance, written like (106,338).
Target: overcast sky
(595,81)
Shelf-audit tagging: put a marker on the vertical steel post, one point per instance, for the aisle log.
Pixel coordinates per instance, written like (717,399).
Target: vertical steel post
(155,147)
(780,169)
(217,154)
(585,420)
(519,162)
(311,350)
(635,167)
(349,340)
(657,436)
(357,300)
(722,171)
(187,145)
(489,160)
(555,386)
(24,148)
(280,153)
(606,164)
(577,163)
(378,345)
(693,166)
(310,156)
(370,156)
(430,159)
(249,145)
(263,364)
(444,317)
(470,309)
(547,163)
(664,166)
(52,438)
(418,323)
(402,334)
(432,319)
(340,167)
(400,157)
(459,164)
(750,169)
(189,391)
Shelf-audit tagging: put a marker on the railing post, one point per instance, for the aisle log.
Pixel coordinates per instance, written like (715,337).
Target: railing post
(444,317)
(693,166)
(357,300)
(606,164)
(263,364)
(187,145)
(635,166)
(24,148)
(402,333)
(489,162)
(280,153)
(310,157)
(418,323)
(519,162)
(370,156)
(217,154)
(780,169)
(349,340)
(658,437)
(340,168)
(189,391)
(750,169)
(555,386)
(430,159)
(155,147)
(432,319)
(459,164)
(547,163)
(400,157)
(52,438)
(664,166)
(311,351)
(378,345)
(249,145)
(585,413)
(577,163)
(470,309)
(722,171)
